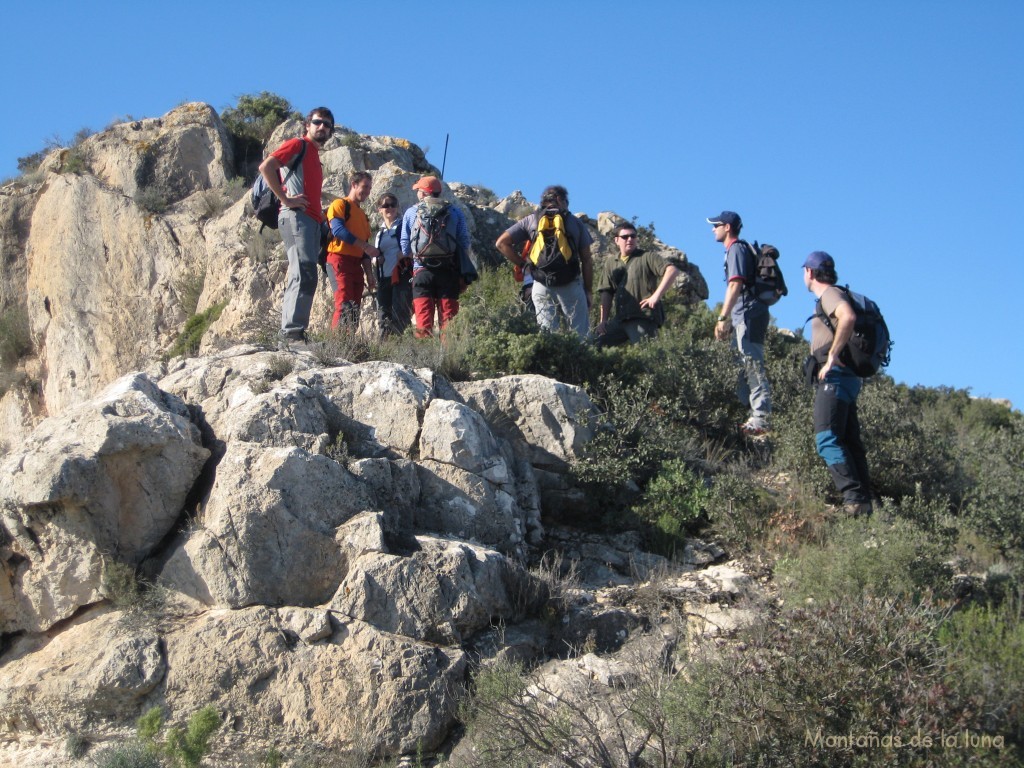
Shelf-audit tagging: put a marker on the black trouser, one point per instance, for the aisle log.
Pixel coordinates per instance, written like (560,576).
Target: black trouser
(837,435)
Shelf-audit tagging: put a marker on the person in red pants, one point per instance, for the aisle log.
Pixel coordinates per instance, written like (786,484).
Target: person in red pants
(435,236)
(349,252)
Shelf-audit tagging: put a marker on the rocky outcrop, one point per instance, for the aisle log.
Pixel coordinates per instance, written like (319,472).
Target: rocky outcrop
(104,480)
(109,257)
(331,545)
(318,551)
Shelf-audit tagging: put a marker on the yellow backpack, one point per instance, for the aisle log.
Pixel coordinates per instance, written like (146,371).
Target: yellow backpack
(554,256)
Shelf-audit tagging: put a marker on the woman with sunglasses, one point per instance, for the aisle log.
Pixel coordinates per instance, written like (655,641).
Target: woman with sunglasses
(394,272)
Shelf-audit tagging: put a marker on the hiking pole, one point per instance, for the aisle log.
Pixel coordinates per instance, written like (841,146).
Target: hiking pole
(445,158)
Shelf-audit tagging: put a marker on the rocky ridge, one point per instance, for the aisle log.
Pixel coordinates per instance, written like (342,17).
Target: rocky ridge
(334,548)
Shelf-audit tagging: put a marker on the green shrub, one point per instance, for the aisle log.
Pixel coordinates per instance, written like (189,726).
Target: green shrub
(184,748)
(188,340)
(739,509)
(251,122)
(985,644)
(153,198)
(76,745)
(674,502)
(897,559)
(189,288)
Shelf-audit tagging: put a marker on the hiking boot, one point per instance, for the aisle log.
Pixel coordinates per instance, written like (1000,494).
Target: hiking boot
(753,430)
(292,342)
(858,509)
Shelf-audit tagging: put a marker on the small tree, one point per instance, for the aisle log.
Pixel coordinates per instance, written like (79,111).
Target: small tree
(251,122)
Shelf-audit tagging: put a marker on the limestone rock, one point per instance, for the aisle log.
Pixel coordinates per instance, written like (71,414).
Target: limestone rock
(444,592)
(97,667)
(108,479)
(549,420)
(358,688)
(182,152)
(117,307)
(267,533)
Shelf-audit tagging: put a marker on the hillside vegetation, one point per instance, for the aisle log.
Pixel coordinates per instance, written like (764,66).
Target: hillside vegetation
(907,624)
(895,640)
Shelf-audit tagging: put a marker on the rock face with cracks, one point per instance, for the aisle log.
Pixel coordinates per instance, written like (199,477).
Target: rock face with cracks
(326,542)
(317,552)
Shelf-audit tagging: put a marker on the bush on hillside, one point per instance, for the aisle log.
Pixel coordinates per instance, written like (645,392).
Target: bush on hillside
(251,122)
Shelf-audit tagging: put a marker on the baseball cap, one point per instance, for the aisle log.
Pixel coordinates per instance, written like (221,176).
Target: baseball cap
(726,217)
(428,184)
(818,259)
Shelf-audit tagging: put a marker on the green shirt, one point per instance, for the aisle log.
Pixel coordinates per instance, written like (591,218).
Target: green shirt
(634,280)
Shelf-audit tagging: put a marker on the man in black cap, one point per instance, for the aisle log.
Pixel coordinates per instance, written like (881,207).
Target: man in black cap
(748,317)
(836,427)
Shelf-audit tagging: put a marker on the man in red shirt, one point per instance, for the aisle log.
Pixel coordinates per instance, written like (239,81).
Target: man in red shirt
(300,219)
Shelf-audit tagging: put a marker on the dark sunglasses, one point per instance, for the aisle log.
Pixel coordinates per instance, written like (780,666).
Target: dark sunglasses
(318,121)
(630,236)
(388,205)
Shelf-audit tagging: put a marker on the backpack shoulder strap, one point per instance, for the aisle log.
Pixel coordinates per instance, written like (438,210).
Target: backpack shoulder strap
(296,162)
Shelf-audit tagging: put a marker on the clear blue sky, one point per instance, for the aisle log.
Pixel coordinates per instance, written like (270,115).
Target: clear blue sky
(890,134)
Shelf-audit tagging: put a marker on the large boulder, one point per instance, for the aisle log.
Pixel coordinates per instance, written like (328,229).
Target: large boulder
(443,592)
(98,667)
(106,480)
(101,292)
(360,688)
(184,151)
(267,533)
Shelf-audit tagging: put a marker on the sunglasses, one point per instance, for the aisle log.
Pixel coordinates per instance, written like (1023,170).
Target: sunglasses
(631,236)
(317,121)
(388,205)
(716,226)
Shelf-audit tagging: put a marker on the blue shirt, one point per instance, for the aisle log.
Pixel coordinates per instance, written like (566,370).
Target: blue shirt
(461,232)
(387,241)
(740,264)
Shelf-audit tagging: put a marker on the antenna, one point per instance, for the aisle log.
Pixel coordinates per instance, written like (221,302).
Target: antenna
(445,159)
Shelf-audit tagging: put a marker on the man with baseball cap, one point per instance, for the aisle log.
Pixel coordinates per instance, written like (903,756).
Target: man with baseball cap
(435,235)
(836,387)
(745,315)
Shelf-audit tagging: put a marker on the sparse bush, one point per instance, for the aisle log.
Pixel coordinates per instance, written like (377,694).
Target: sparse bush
(188,340)
(212,202)
(868,558)
(985,644)
(858,667)
(130,754)
(189,288)
(674,503)
(76,745)
(352,141)
(130,593)
(260,244)
(153,198)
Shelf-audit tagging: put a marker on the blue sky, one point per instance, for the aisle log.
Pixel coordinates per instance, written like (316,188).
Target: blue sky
(890,134)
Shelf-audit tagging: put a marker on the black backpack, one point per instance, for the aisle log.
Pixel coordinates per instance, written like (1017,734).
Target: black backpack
(550,264)
(869,348)
(265,205)
(433,234)
(768,285)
